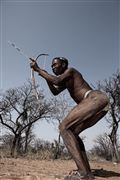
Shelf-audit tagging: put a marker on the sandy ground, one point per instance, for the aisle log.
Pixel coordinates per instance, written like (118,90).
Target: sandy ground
(23,169)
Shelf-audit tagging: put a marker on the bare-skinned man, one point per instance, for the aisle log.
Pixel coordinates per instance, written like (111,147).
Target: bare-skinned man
(90,108)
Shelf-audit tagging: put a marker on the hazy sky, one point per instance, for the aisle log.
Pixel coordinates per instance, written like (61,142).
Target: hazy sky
(86,32)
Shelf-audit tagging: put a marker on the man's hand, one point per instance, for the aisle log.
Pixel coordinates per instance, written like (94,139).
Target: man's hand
(34,65)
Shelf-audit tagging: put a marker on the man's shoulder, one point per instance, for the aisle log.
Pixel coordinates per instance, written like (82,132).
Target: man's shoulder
(71,69)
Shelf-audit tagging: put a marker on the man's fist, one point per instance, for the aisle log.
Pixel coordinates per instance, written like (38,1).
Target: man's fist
(34,65)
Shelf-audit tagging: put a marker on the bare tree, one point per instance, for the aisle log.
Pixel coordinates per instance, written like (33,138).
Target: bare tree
(102,147)
(5,140)
(112,88)
(19,110)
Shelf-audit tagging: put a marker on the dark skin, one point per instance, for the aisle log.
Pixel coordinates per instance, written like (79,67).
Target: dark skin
(88,111)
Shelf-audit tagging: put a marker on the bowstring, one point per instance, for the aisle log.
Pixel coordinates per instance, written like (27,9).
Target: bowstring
(33,74)
(34,84)
(44,62)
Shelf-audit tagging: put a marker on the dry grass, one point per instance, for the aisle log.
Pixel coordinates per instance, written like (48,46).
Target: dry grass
(26,169)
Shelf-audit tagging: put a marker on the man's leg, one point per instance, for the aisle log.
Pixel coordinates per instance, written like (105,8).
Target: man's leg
(76,147)
(79,128)
(83,151)
(77,150)
(81,115)
(72,141)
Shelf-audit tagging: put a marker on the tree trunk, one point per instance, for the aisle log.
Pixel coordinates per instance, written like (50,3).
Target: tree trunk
(113,139)
(26,139)
(13,148)
(19,144)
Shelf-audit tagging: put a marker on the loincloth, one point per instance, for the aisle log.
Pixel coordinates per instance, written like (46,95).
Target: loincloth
(106,108)
(86,94)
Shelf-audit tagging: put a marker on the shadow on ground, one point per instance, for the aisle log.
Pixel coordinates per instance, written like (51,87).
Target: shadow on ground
(105,173)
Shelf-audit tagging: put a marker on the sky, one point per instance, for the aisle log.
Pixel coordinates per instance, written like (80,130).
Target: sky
(86,32)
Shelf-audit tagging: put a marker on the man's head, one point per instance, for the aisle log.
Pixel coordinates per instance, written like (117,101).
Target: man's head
(59,65)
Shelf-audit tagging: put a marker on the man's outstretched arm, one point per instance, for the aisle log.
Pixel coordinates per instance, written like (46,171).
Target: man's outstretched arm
(51,80)
(55,80)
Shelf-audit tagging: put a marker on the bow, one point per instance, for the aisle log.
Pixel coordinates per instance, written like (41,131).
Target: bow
(32,71)
(33,77)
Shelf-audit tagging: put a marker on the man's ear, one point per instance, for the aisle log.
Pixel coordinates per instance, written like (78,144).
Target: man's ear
(63,65)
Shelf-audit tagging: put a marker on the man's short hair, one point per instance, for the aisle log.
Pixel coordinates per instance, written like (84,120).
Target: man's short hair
(62,59)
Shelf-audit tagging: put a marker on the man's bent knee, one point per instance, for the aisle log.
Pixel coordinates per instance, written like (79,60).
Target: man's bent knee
(62,128)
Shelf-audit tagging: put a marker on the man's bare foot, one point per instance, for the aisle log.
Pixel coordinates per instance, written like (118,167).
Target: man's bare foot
(75,175)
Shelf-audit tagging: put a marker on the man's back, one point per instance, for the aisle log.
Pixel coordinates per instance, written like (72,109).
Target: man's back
(76,84)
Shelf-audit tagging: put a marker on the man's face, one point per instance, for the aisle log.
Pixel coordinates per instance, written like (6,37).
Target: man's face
(57,67)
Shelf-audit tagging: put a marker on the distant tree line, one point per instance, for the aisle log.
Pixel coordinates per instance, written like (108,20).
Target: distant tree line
(20,111)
